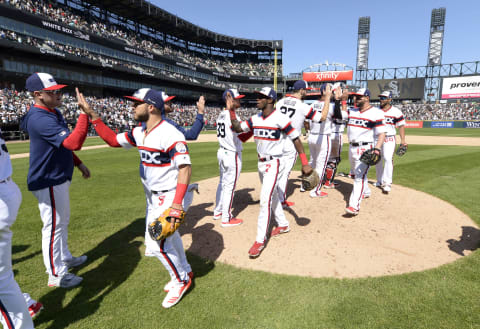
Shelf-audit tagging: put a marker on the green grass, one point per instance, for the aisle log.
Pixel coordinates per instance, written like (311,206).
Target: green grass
(124,289)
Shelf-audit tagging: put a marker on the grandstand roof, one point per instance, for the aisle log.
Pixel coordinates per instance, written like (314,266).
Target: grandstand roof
(150,15)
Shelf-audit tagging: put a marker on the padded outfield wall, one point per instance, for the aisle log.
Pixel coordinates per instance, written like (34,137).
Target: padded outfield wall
(443,124)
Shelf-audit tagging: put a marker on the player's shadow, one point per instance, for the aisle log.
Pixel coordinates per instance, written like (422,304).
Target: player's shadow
(292,185)
(345,188)
(118,256)
(21,248)
(207,244)
(301,221)
(242,200)
(469,240)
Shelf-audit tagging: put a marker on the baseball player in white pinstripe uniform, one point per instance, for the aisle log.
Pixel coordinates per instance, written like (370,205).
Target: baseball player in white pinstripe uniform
(319,138)
(297,112)
(393,118)
(167,170)
(336,138)
(229,157)
(13,309)
(270,129)
(364,123)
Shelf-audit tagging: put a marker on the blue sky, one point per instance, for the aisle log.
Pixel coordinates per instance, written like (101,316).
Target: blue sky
(316,31)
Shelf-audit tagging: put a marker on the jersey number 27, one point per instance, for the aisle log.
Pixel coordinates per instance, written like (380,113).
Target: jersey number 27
(288,111)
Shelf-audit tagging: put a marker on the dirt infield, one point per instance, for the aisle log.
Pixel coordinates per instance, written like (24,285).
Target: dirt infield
(425,140)
(401,232)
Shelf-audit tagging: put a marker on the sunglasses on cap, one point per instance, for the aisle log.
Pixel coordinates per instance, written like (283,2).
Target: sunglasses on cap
(262,96)
(382,98)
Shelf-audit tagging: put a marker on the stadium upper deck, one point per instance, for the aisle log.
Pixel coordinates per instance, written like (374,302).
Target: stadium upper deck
(163,52)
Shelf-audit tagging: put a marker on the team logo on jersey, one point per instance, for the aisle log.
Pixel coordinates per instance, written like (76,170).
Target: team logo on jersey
(266,133)
(154,158)
(362,123)
(63,133)
(180,148)
(390,120)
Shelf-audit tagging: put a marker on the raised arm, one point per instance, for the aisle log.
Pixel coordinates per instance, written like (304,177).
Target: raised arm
(107,134)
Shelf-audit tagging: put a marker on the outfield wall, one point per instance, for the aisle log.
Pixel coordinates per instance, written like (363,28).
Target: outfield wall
(443,124)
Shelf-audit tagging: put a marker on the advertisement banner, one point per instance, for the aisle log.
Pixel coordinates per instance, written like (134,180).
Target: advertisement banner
(414,124)
(471,124)
(328,76)
(400,88)
(441,124)
(461,87)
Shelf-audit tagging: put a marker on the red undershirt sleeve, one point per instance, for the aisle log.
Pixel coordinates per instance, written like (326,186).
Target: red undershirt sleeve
(75,140)
(107,134)
(245,136)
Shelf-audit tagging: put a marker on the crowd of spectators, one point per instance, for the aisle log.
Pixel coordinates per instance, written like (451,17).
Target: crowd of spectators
(91,24)
(444,111)
(58,49)
(116,112)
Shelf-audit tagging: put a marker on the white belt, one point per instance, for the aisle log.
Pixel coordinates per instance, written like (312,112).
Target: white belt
(6,180)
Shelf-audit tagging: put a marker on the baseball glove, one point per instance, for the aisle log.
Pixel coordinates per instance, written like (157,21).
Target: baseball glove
(401,149)
(162,227)
(309,182)
(370,157)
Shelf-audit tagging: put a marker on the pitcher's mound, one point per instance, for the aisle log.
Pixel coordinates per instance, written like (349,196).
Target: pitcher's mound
(401,232)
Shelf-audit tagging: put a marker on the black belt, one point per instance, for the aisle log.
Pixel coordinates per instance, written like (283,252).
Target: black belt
(162,191)
(361,143)
(226,149)
(267,158)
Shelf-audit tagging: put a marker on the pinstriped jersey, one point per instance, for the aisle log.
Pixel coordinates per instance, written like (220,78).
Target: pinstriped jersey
(227,138)
(324,127)
(270,132)
(338,126)
(297,111)
(362,126)
(393,118)
(162,150)
(5,163)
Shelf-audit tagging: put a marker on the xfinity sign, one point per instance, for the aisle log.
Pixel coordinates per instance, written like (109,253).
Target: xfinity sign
(461,87)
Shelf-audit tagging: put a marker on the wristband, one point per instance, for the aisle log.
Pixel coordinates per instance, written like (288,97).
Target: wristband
(303,158)
(180,193)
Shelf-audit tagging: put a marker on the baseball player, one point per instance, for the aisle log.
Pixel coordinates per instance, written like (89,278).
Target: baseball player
(167,170)
(364,123)
(297,112)
(190,134)
(336,139)
(270,128)
(50,173)
(393,118)
(14,312)
(319,137)
(229,157)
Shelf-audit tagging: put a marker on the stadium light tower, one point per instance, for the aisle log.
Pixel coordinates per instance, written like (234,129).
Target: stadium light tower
(362,51)
(434,60)
(437,29)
